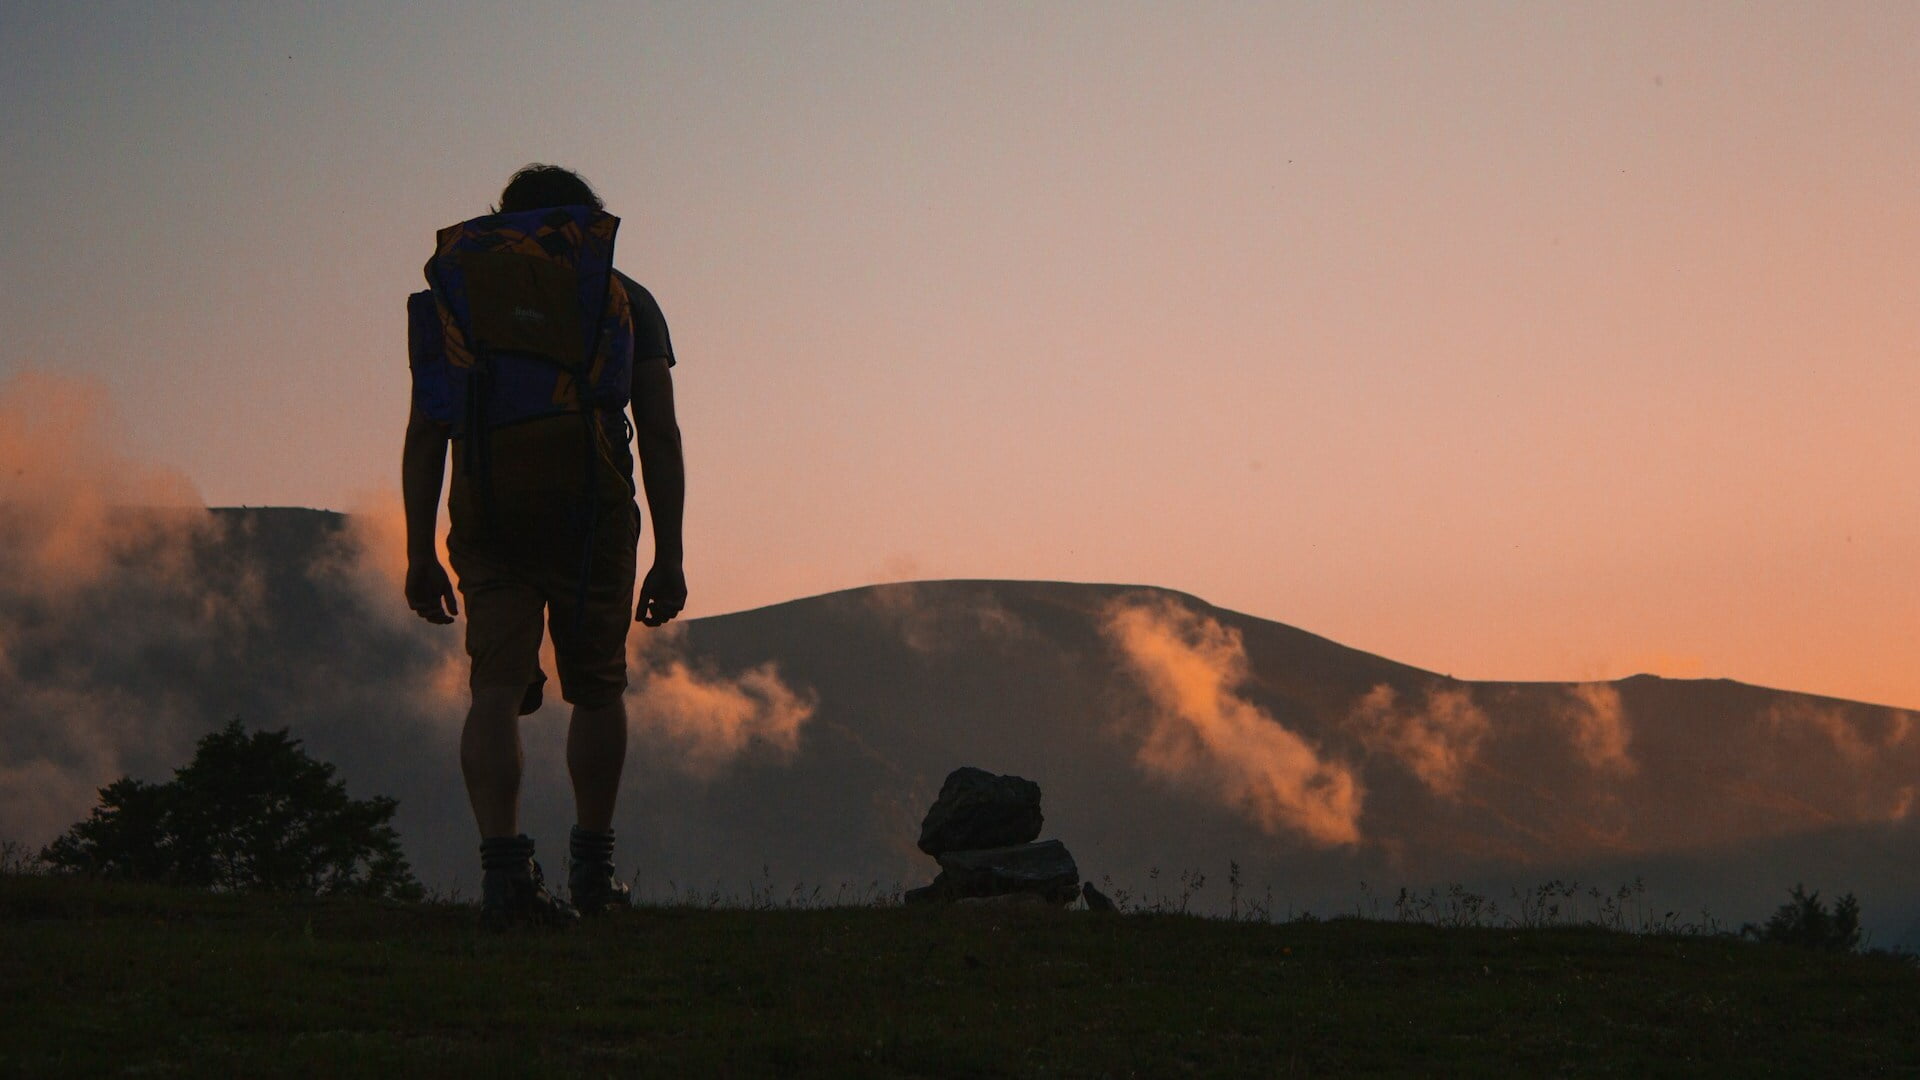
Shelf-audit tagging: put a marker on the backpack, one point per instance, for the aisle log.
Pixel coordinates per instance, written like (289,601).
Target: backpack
(524,318)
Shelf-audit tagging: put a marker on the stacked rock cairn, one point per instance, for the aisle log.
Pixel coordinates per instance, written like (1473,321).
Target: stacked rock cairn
(982,830)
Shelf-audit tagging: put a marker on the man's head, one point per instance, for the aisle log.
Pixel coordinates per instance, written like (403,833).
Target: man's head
(537,187)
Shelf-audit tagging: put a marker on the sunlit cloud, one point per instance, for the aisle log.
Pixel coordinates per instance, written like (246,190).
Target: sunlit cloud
(1203,735)
(1436,740)
(67,493)
(708,718)
(1599,726)
(1859,741)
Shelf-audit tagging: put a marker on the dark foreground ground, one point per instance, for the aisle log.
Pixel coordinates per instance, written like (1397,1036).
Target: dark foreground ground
(100,980)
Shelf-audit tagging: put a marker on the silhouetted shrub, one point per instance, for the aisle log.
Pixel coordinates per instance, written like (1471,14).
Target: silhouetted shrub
(1805,921)
(251,811)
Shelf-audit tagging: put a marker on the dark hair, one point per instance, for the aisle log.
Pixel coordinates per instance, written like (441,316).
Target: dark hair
(538,186)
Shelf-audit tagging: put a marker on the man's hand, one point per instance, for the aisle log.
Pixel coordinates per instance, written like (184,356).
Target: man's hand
(430,591)
(662,594)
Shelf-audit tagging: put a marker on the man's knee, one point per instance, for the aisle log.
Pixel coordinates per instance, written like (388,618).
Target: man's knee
(595,695)
(495,705)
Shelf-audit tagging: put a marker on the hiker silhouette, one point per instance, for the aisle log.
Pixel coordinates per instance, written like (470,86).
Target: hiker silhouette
(528,352)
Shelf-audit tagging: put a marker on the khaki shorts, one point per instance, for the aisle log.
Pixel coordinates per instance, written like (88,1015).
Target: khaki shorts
(523,577)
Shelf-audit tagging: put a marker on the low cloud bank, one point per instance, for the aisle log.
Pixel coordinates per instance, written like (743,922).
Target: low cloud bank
(99,616)
(1203,735)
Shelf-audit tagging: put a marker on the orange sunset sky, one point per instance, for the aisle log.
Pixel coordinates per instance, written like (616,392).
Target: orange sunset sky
(1521,341)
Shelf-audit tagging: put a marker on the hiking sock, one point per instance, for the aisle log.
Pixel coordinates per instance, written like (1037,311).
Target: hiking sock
(591,878)
(591,848)
(510,855)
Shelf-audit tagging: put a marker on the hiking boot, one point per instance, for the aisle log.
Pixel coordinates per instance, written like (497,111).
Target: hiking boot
(598,892)
(513,891)
(509,900)
(591,880)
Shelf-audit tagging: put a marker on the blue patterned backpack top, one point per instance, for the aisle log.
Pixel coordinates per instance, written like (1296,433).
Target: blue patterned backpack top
(524,318)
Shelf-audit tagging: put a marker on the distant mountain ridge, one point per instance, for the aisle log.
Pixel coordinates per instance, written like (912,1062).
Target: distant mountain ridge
(803,740)
(1616,766)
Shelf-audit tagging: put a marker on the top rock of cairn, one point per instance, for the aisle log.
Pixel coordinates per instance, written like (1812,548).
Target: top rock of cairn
(978,809)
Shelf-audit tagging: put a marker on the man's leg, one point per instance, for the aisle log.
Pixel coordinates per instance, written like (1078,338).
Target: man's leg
(491,759)
(596,753)
(589,622)
(503,640)
(511,889)
(504,627)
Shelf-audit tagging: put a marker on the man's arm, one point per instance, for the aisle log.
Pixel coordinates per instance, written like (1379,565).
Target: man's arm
(423,468)
(656,434)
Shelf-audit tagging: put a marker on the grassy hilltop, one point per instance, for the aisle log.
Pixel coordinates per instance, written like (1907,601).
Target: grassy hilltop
(116,978)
